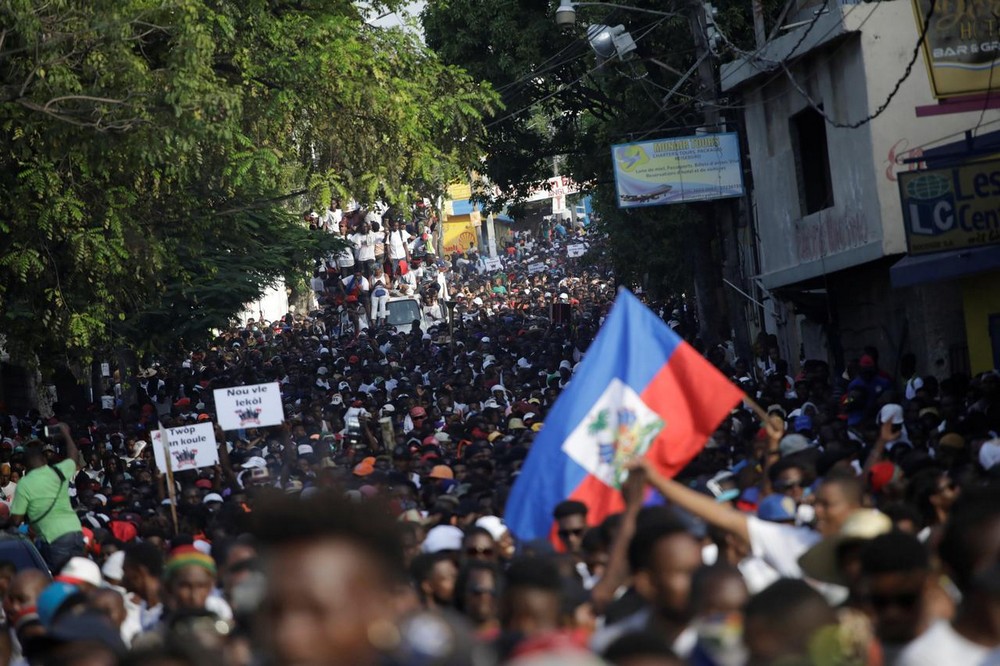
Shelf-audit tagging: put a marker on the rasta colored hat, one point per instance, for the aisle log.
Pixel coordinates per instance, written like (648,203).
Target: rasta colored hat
(183,556)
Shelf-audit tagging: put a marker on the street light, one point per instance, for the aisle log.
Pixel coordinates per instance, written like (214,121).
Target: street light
(608,41)
(566,11)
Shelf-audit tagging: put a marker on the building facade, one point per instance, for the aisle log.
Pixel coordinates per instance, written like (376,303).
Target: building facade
(829,220)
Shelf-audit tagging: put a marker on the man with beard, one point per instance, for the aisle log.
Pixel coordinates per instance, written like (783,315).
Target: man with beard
(662,556)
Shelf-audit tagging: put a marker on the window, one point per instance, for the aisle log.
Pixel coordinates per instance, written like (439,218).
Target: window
(812,161)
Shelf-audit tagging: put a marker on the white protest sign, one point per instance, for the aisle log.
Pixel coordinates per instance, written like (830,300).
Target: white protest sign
(536,267)
(107,402)
(492,264)
(252,406)
(191,447)
(105,369)
(576,250)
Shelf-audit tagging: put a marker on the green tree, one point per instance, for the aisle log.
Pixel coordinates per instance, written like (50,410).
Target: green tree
(155,156)
(560,103)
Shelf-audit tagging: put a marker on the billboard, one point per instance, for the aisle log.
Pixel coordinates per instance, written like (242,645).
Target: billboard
(960,48)
(677,170)
(951,209)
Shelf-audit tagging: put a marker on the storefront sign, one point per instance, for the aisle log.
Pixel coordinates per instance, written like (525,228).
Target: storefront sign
(961,47)
(951,209)
(678,170)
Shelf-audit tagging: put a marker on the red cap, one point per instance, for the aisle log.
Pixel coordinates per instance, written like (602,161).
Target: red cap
(867,361)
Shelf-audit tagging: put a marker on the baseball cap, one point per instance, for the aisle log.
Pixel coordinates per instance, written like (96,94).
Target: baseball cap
(776,508)
(256,462)
(891,413)
(442,537)
(80,570)
(793,444)
(441,472)
(803,422)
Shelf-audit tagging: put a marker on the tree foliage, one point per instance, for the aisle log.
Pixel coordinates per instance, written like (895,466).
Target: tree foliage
(559,102)
(155,154)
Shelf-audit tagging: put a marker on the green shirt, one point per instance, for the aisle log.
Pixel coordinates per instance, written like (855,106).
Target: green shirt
(34,495)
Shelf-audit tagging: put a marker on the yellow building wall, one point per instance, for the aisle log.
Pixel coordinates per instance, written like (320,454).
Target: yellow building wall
(980,299)
(459,234)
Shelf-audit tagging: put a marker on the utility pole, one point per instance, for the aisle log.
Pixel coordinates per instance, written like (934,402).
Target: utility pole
(717,216)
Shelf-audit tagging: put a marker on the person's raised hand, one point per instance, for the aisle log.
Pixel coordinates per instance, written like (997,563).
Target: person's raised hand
(775,428)
(886,433)
(633,490)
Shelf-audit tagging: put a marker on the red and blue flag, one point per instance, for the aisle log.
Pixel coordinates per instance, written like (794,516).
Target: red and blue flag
(639,391)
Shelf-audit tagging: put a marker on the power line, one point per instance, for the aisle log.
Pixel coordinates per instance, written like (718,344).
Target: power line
(568,86)
(892,94)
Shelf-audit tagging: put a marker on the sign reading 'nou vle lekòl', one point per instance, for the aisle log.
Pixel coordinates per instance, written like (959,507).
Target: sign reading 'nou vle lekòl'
(253,406)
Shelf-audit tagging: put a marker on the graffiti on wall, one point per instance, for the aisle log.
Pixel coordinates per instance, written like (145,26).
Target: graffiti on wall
(898,152)
(830,234)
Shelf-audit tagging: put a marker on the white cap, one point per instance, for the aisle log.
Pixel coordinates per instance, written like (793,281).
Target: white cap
(442,537)
(891,413)
(989,454)
(212,497)
(305,449)
(495,526)
(81,570)
(256,462)
(114,566)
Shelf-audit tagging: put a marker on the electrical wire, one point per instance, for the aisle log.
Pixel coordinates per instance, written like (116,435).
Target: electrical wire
(823,60)
(568,86)
(892,94)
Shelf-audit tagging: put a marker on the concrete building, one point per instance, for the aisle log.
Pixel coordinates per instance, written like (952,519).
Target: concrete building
(827,198)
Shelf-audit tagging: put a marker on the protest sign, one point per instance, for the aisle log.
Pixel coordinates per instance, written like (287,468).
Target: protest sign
(492,264)
(576,250)
(252,406)
(536,267)
(191,447)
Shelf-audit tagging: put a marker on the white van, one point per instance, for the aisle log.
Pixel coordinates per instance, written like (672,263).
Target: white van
(403,310)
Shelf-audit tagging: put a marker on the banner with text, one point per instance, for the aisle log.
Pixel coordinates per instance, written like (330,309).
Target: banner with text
(951,209)
(576,250)
(191,447)
(537,267)
(678,170)
(253,406)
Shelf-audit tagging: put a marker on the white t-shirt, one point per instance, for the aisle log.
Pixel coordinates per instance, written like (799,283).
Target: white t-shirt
(396,244)
(364,245)
(941,644)
(345,258)
(779,545)
(349,283)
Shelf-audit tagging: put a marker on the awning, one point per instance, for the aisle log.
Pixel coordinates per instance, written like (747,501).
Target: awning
(506,219)
(462,207)
(944,266)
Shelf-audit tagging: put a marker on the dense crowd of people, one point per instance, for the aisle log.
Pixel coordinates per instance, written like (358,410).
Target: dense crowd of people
(858,523)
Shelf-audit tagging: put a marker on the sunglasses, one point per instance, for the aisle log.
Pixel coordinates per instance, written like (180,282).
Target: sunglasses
(478,591)
(567,533)
(472,551)
(782,486)
(906,600)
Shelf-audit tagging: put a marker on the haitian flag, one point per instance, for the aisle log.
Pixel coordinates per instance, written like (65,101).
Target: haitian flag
(639,391)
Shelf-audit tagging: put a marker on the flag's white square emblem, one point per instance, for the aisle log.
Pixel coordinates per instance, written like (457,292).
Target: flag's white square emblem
(618,427)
